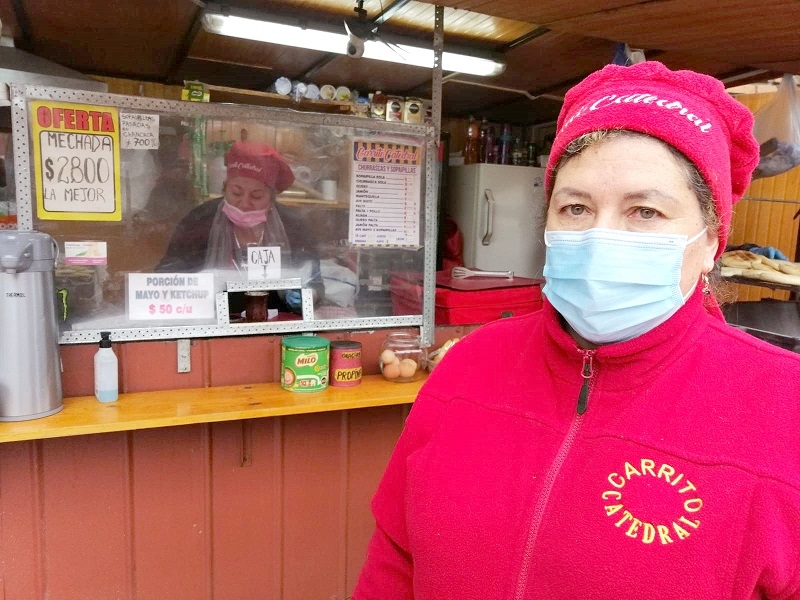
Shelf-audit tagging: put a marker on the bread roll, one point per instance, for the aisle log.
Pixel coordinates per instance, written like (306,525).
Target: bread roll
(778,277)
(789,268)
(730,272)
(771,263)
(753,273)
(763,266)
(735,263)
(743,255)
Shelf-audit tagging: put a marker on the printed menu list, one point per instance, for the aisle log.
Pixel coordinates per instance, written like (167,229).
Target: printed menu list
(385,193)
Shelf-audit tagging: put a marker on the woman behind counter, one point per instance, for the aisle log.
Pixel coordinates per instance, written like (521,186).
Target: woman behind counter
(624,442)
(216,234)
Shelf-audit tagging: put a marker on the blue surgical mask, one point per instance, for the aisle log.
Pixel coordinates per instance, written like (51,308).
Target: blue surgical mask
(611,285)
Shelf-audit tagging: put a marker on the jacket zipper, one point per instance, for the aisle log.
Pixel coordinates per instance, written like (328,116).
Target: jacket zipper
(587,372)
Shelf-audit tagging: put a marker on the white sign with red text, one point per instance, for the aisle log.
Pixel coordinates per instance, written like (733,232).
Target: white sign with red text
(171,296)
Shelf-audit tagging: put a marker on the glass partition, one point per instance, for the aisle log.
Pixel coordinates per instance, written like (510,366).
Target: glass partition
(182,219)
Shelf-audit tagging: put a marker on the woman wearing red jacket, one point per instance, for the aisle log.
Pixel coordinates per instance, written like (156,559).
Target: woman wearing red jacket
(624,442)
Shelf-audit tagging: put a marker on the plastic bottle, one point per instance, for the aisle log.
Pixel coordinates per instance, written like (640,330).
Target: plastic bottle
(505,146)
(493,152)
(378,105)
(471,146)
(486,140)
(106,368)
(531,157)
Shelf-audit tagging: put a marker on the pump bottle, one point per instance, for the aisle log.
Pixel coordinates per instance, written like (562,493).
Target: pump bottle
(106,381)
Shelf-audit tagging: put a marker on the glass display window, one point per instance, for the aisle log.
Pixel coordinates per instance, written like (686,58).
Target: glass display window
(171,218)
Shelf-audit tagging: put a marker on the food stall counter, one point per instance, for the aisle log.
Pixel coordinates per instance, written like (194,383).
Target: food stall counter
(147,410)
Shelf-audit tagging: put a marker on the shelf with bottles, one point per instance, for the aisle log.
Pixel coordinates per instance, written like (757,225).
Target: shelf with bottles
(482,144)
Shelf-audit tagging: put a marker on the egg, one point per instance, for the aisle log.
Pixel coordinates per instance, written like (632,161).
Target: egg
(408,366)
(388,357)
(391,370)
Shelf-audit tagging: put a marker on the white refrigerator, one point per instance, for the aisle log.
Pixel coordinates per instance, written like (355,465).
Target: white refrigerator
(500,210)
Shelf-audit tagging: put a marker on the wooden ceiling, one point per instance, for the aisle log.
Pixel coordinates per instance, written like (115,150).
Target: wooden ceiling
(548,44)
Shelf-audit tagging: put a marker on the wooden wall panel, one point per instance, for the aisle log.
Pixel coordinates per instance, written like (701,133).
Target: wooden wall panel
(764,216)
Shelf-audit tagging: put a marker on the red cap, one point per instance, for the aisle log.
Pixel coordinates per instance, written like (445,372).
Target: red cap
(689,111)
(259,162)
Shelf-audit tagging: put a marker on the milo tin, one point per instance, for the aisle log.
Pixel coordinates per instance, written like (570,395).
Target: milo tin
(304,363)
(345,363)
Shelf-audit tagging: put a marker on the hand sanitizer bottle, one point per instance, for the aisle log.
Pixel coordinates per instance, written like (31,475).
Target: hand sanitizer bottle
(106,381)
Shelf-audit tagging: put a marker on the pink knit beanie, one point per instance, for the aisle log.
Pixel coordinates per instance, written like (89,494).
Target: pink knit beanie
(689,111)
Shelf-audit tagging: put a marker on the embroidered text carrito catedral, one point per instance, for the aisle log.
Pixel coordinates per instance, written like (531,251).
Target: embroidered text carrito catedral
(661,477)
(244,166)
(675,106)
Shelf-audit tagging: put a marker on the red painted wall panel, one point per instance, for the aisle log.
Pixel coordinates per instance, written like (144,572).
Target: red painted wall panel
(274,509)
(372,432)
(171,513)
(83,496)
(314,473)
(21,554)
(246,504)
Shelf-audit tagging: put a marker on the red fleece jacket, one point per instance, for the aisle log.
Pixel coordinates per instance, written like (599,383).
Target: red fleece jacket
(680,480)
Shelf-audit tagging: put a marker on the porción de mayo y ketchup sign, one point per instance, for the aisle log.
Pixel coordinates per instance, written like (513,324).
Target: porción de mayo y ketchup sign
(76,161)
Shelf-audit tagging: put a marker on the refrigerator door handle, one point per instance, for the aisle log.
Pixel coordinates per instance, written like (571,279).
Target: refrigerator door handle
(487,238)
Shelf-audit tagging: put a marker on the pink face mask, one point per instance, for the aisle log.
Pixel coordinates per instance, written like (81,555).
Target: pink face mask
(243,218)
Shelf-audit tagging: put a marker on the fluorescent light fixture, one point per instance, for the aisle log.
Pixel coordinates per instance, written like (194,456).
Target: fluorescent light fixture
(326,41)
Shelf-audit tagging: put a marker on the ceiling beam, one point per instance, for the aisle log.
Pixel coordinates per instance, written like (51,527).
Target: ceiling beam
(524,39)
(182,52)
(24,25)
(388,12)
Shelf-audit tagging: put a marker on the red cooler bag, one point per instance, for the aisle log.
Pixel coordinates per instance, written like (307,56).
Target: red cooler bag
(467,301)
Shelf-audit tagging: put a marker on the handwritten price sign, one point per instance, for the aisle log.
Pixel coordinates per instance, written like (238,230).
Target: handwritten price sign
(139,131)
(76,161)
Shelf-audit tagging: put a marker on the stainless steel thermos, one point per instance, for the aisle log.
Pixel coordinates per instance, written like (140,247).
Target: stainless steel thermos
(30,368)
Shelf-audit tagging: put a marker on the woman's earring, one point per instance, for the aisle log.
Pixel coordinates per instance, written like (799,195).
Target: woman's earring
(706,285)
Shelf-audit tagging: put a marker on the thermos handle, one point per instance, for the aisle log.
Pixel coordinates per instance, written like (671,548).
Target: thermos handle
(14,263)
(487,238)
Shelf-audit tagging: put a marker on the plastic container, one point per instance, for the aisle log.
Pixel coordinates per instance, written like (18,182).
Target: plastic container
(312,92)
(402,357)
(378,106)
(394,108)
(413,111)
(106,371)
(282,86)
(327,92)
(343,94)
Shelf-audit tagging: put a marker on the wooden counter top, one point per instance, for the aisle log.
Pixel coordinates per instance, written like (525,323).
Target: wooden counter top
(146,410)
